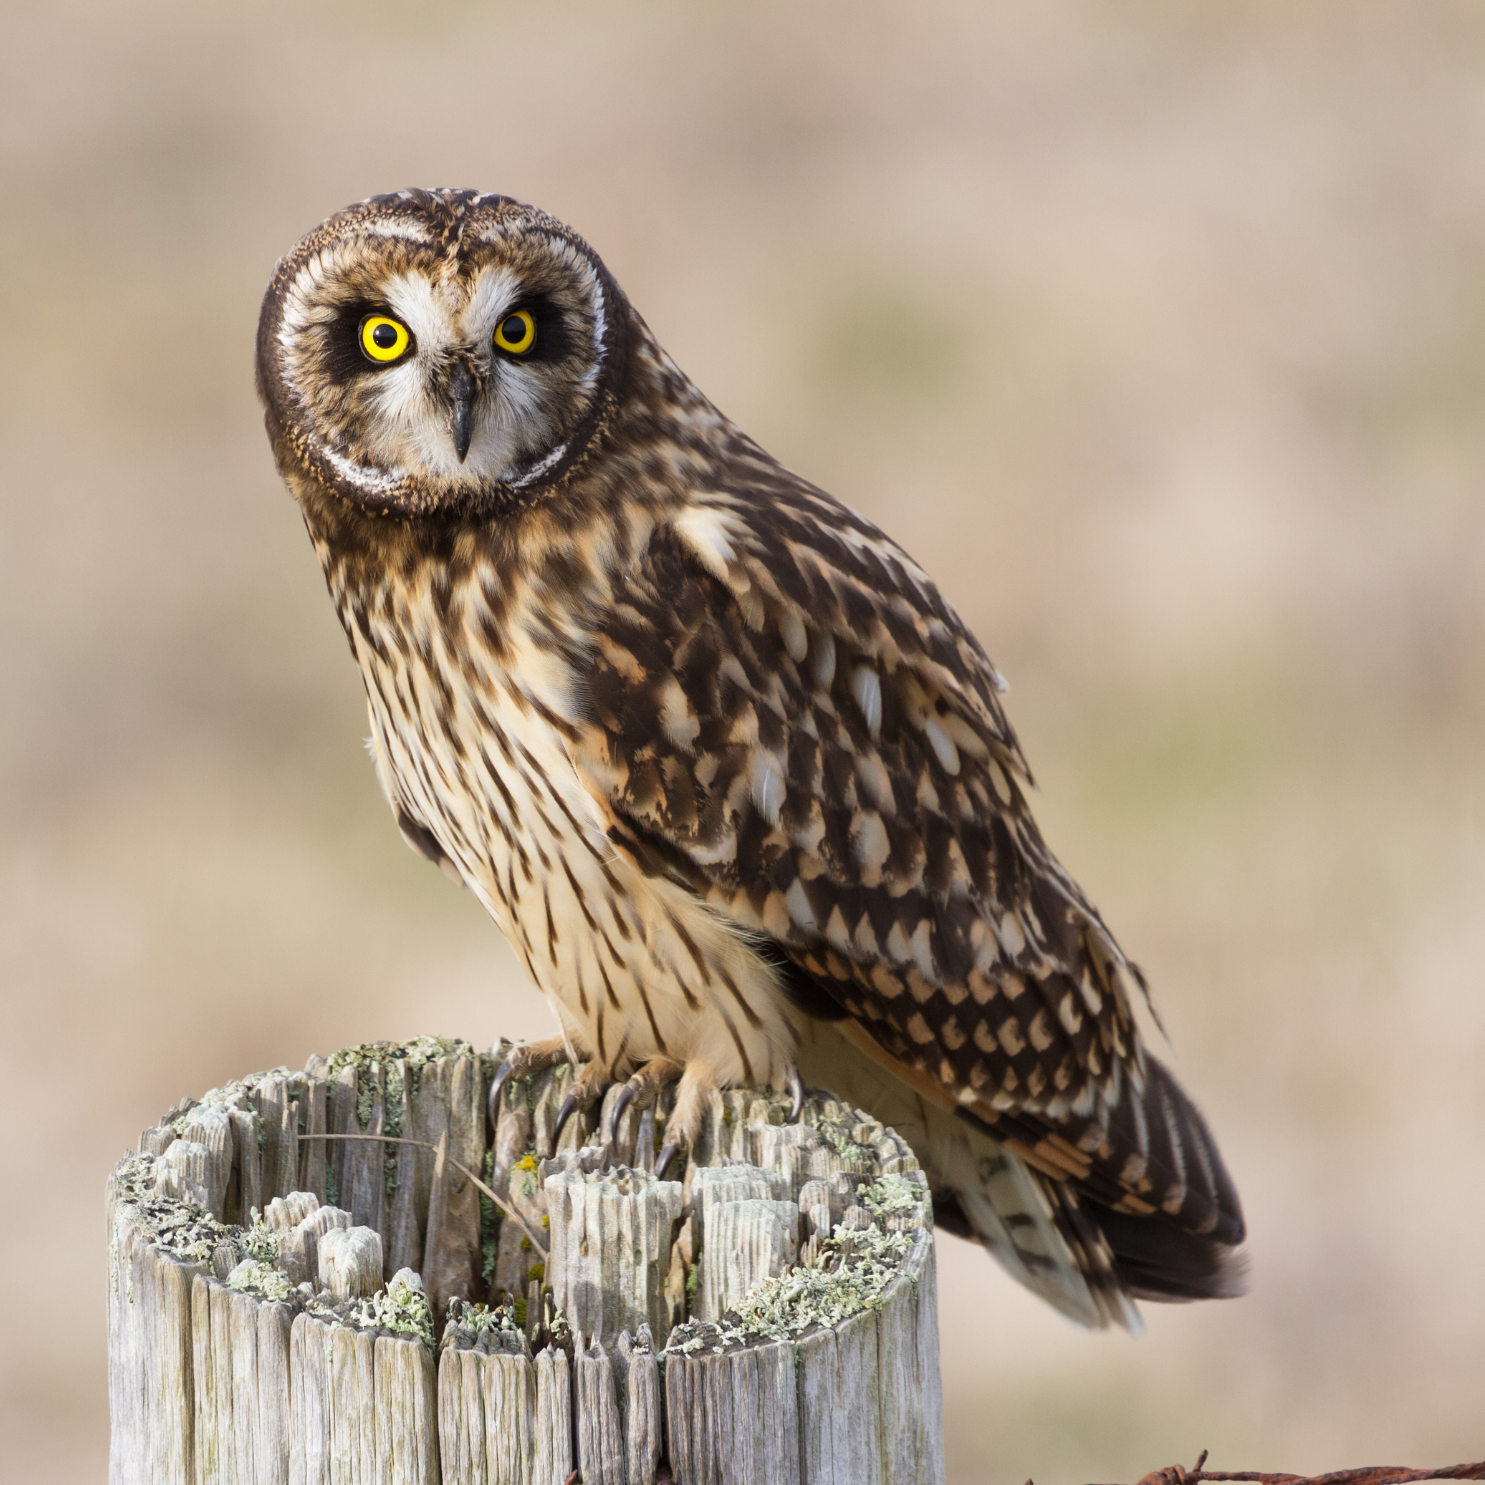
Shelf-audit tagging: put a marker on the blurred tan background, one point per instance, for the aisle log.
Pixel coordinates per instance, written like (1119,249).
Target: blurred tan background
(1155,331)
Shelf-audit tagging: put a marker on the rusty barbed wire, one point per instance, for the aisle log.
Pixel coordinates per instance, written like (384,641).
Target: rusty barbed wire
(1376,1474)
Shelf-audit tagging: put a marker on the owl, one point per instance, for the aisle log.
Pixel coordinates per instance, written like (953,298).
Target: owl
(732,777)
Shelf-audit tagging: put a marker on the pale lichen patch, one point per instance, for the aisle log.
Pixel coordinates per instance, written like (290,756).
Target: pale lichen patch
(402,1308)
(267,1282)
(850,1272)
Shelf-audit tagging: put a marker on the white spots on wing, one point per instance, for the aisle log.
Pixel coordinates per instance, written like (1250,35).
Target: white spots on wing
(999,782)
(959,877)
(986,947)
(965,737)
(871,774)
(869,841)
(754,612)
(708,534)
(799,907)
(767,786)
(923,949)
(777,696)
(927,795)
(898,944)
(796,640)
(1069,1014)
(942,745)
(823,661)
(837,935)
(866,687)
(1012,939)
(1089,991)
(731,670)
(676,715)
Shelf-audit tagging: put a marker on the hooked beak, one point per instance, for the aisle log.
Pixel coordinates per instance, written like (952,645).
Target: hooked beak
(461,390)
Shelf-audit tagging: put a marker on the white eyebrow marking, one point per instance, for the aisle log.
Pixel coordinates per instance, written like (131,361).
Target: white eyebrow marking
(398,227)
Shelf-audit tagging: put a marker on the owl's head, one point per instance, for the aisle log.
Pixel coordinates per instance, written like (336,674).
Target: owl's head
(436,350)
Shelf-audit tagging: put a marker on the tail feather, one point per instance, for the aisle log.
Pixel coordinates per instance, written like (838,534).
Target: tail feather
(1133,1204)
(981,1190)
(1150,1154)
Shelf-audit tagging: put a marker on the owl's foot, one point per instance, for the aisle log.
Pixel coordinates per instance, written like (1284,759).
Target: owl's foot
(691,1100)
(690,1108)
(528,1058)
(592,1082)
(641,1089)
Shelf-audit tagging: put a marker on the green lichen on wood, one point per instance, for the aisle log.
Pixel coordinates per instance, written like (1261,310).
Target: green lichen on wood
(413,1056)
(481,1317)
(258,1240)
(402,1308)
(892,1193)
(852,1273)
(261,1279)
(181,1228)
(401,1065)
(394,1119)
(489,1223)
(839,1136)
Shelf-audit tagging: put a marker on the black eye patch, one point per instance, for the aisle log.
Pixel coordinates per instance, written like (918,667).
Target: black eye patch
(554,340)
(344,358)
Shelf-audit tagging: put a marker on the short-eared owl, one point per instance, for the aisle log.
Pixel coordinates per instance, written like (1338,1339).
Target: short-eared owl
(727,770)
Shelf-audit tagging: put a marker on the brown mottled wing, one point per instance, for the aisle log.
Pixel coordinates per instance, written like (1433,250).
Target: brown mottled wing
(785,714)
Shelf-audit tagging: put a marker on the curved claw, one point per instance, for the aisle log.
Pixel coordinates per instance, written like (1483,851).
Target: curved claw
(796,1094)
(502,1077)
(668,1151)
(563,1115)
(621,1105)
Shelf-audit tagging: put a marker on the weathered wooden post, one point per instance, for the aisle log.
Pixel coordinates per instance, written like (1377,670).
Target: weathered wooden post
(341,1275)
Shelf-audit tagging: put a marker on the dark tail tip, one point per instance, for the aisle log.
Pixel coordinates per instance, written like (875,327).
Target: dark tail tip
(1157,1260)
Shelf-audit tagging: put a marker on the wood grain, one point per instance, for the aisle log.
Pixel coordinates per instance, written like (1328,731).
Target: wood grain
(769,1319)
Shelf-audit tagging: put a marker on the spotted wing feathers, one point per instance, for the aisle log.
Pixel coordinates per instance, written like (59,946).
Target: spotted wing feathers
(783,713)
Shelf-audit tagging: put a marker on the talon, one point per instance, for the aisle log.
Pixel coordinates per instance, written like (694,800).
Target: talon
(502,1077)
(668,1151)
(796,1094)
(643,1086)
(569,1104)
(528,1058)
(621,1105)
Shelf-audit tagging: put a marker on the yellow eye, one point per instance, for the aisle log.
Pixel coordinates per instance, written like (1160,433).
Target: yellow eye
(383,339)
(516,333)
